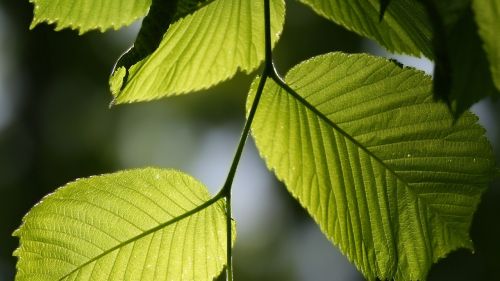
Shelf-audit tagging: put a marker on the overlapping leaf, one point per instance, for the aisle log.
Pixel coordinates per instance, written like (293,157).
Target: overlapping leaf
(487,15)
(461,75)
(379,166)
(85,15)
(200,50)
(147,224)
(404,28)
(155,24)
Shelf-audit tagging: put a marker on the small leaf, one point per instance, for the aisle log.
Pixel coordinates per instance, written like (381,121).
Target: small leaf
(201,50)
(147,224)
(377,164)
(487,15)
(85,15)
(405,28)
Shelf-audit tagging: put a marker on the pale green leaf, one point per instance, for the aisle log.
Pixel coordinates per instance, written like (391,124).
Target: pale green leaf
(487,15)
(148,224)
(383,170)
(200,50)
(85,15)
(405,27)
(154,25)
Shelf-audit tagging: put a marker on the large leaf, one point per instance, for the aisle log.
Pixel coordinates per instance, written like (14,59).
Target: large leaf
(200,50)
(147,224)
(404,28)
(85,15)
(378,165)
(487,15)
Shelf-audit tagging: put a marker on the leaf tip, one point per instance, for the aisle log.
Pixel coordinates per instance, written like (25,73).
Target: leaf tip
(116,81)
(17,232)
(34,23)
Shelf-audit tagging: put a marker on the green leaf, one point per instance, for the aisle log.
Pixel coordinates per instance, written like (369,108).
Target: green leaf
(85,15)
(404,28)
(383,7)
(470,71)
(200,50)
(378,165)
(147,224)
(155,24)
(487,15)
(461,75)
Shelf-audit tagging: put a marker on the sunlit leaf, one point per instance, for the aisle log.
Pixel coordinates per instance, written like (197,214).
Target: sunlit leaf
(155,24)
(200,50)
(487,15)
(383,170)
(85,15)
(148,224)
(404,28)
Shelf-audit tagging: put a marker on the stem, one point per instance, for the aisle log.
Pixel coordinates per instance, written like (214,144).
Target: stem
(269,49)
(226,189)
(229,235)
(225,192)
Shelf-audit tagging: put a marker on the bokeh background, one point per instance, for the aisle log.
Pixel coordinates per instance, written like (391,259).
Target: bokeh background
(55,126)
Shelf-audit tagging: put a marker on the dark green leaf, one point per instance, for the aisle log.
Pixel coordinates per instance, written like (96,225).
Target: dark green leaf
(383,7)
(461,74)
(487,15)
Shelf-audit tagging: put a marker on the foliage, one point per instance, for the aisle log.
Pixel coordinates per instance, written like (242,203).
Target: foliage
(126,225)
(351,145)
(390,176)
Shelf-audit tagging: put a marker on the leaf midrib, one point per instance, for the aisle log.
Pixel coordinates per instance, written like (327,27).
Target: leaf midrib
(281,83)
(146,233)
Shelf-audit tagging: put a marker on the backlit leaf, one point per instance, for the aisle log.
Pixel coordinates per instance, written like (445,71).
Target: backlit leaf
(383,7)
(200,50)
(382,169)
(403,29)
(148,224)
(155,24)
(85,15)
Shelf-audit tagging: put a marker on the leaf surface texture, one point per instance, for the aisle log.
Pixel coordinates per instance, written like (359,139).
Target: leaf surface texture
(200,50)
(154,25)
(404,28)
(132,225)
(376,163)
(85,15)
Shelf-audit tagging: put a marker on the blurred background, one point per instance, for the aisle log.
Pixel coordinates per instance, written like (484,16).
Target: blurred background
(55,126)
